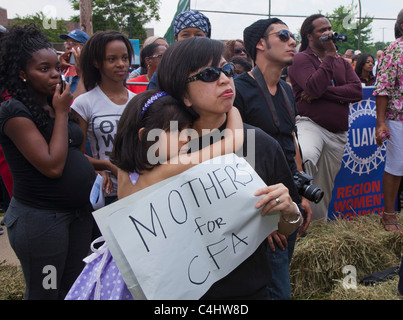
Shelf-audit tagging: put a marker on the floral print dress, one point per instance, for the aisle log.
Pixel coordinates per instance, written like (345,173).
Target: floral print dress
(389,80)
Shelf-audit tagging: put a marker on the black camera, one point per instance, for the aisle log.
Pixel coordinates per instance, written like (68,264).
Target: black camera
(305,187)
(334,37)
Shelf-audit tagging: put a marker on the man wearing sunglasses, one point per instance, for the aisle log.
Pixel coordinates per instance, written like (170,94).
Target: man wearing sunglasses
(323,85)
(267,102)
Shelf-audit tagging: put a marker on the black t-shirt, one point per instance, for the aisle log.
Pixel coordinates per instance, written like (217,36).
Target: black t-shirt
(254,110)
(70,191)
(250,279)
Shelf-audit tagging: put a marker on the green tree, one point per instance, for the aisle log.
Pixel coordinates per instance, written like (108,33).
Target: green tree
(122,15)
(53,28)
(344,19)
(379,45)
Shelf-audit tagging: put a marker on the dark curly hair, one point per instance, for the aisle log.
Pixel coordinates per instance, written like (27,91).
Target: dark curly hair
(16,48)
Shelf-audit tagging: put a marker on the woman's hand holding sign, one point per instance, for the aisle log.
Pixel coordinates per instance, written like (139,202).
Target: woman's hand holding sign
(277,198)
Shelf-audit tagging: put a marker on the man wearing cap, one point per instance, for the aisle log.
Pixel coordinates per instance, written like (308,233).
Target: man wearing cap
(265,101)
(74,41)
(187,24)
(323,84)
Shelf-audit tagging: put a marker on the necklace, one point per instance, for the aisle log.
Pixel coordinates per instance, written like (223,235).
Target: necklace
(314,53)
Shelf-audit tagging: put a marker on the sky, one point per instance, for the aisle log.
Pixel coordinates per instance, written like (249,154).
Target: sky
(231,26)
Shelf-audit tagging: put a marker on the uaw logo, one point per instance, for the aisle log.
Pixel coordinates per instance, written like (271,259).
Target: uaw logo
(361,153)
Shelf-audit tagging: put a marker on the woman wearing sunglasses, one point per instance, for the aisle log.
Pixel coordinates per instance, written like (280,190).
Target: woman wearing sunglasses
(204,84)
(235,48)
(150,57)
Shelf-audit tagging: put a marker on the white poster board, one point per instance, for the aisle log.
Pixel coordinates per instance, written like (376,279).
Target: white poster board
(176,238)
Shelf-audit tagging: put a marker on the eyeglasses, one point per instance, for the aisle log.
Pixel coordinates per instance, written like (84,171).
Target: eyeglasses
(239,51)
(72,43)
(156,56)
(212,74)
(284,35)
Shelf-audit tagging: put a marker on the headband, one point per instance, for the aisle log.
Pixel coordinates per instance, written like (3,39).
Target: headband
(151,100)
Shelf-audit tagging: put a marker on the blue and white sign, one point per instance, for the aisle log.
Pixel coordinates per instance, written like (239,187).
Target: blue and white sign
(358,185)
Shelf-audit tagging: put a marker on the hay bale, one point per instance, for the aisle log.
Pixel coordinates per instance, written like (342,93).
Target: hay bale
(320,257)
(12,283)
(381,291)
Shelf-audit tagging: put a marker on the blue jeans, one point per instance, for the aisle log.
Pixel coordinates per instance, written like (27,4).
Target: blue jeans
(280,286)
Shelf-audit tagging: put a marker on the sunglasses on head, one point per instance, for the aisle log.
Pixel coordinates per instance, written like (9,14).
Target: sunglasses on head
(284,35)
(212,74)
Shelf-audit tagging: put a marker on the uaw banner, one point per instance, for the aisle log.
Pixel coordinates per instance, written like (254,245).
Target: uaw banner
(358,185)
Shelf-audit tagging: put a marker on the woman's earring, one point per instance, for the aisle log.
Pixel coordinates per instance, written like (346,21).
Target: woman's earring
(24,80)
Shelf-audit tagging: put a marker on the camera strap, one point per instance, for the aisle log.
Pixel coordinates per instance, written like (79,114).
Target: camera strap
(257,74)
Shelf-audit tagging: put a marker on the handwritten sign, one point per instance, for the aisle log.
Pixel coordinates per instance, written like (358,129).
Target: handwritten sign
(176,238)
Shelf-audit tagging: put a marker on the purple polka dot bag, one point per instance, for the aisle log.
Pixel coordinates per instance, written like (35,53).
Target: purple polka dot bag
(100,279)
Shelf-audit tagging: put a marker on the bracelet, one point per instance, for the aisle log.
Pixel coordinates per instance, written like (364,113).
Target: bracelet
(296,220)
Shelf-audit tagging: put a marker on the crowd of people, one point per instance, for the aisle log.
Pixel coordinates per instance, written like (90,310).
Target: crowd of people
(66,118)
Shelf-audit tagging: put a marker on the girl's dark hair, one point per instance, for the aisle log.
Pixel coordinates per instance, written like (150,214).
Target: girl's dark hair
(93,53)
(362,59)
(184,57)
(16,48)
(307,28)
(147,51)
(241,61)
(130,148)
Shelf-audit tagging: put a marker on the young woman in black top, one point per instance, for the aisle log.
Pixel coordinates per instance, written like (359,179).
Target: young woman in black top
(49,218)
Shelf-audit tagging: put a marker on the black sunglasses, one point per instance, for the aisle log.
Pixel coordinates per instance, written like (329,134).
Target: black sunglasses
(239,51)
(212,74)
(284,35)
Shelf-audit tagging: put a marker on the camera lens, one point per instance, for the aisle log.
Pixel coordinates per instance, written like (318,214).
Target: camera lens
(313,193)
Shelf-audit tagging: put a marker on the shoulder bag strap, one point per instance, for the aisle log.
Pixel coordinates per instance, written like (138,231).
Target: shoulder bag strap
(257,74)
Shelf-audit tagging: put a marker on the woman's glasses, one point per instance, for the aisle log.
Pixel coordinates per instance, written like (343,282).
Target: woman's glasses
(156,56)
(239,51)
(284,35)
(212,74)
(72,43)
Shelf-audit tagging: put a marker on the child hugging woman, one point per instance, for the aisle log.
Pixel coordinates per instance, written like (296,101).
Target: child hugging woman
(148,111)
(200,96)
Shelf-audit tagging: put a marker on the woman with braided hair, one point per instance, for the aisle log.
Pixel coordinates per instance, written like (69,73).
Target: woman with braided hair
(49,219)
